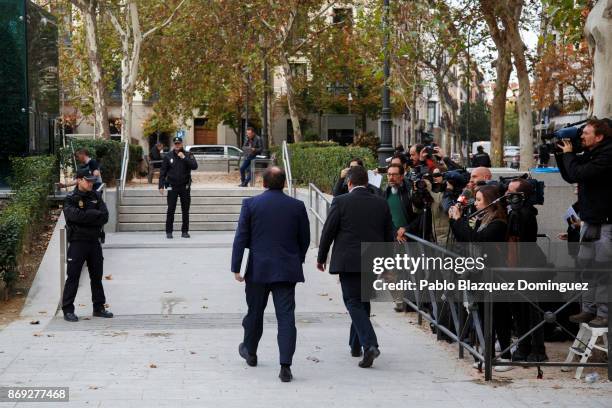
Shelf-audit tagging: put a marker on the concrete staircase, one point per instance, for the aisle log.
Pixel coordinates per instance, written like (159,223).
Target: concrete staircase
(212,209)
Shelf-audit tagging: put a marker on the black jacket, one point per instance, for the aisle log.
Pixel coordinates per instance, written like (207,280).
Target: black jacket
(341,187)
(481,160)
(495,231)
(523,223)
(591,170)
(176,171)
(85,214)
(353,218)
(415,220)
(252,147)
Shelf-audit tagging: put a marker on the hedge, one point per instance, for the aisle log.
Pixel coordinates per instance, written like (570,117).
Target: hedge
(108,153)
(32,181)
(321,166)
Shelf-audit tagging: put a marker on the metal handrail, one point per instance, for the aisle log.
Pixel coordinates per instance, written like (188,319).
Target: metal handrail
(124,168)
(319,220)
(287,165)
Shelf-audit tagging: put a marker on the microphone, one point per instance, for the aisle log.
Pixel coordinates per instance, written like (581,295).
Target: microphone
(466,198)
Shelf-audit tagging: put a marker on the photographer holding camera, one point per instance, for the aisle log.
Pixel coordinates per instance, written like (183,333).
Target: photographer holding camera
(522,228)
(591,169)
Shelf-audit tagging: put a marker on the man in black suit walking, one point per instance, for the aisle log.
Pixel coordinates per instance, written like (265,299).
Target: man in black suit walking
(353,218)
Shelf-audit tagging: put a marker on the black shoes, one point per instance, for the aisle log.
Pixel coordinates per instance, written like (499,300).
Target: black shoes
(285,374)
(356,352)
(169,235)
(103,313)
(251,359)
(368,357)
(185,235)
(70,317)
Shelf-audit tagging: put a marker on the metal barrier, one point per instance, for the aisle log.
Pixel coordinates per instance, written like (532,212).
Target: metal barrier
(464,324)
(287,165)
(122,176)
(314,192)
(471,325)
(63,263)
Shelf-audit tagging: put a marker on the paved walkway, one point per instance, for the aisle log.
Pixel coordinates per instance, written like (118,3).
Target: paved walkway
(174,344)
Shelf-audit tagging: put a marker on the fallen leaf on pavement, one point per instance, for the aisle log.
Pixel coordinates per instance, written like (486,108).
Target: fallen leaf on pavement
(152,366)
(35,322)
(323,294)
(313,359)
(108,277)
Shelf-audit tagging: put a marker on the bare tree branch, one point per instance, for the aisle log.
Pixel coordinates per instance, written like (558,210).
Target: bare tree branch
(165,23)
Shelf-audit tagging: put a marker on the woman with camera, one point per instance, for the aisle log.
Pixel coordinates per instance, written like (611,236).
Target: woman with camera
(490,226)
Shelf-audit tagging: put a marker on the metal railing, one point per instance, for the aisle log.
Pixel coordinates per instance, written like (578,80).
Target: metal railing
(63,263)
(287,165)
(315,209)
(123,175)
(477,325)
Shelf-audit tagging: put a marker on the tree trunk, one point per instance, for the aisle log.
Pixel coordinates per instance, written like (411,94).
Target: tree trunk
(89,11)
(492,11)
(598,31)
(293,113)
(503,69)
(524,97)
(413,115)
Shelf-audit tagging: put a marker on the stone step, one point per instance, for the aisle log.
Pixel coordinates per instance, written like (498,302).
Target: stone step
(193,226)
(195,200)
(157,218)
(198,192)
(194,209)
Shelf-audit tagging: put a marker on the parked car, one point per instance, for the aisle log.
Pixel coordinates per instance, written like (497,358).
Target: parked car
(214,152)
(512,156)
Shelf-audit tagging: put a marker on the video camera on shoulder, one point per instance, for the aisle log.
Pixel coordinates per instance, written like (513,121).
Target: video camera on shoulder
(516,200)
(571,132)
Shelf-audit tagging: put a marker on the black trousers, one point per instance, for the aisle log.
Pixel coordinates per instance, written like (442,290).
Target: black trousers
(502,327)
(184,193)
(283,295)
(80,252)
(362,332)
(526,316)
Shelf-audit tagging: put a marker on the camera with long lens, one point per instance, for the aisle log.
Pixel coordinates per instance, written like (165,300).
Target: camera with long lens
(571,132)
(420,195)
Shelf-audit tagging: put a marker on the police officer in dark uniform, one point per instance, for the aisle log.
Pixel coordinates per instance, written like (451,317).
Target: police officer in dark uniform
(175,176)
(85,214)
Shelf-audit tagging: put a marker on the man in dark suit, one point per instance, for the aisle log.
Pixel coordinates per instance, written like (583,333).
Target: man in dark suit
(353,218)
(275,228)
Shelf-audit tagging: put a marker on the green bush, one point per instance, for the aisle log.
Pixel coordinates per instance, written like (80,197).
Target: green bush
(32,181)
(108,153)
(321,165)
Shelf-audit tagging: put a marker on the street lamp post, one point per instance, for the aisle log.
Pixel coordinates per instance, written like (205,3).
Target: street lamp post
(350,100)
(385,150)
(264,108)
